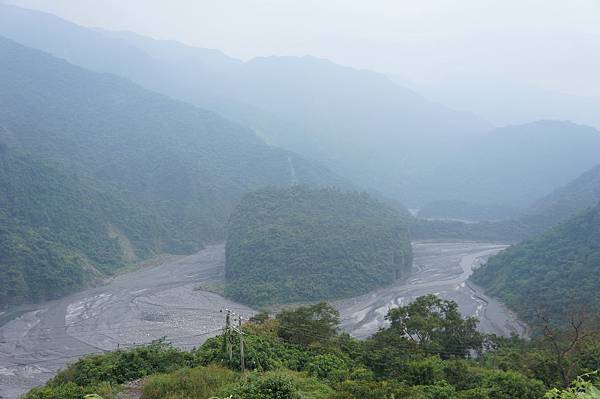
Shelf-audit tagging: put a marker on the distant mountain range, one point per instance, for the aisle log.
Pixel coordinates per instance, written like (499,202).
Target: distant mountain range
(547,212)
(487,97)
(515,165)
(358,123)
(153,173)
(88,105)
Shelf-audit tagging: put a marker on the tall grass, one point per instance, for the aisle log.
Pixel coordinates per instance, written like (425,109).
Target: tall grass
(196,383)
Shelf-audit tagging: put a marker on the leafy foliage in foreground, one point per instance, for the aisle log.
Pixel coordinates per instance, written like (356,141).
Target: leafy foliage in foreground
(436,325)
(389,364)
(554,273)
(579,389)
(297,244)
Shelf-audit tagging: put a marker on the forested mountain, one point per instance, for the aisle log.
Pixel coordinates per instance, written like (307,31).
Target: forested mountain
(59,231)
(186,164)
(139,151)
(516,165)
(361,124)
(297,244)
(579,194)
(557,272)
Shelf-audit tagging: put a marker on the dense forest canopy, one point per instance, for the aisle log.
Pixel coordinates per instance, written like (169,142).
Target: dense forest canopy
(566,201)
(114,172)
(298,244)
(116,147)
(555,273)
(59,231)
(187,165)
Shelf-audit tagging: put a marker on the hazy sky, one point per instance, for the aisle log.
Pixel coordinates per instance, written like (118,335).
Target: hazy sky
(554,44)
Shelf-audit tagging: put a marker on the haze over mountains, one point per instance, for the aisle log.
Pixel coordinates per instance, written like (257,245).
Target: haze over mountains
(183,166)
(566,201)
(515,165)
(153,189)
(363,126)
(527,103)
(375,134)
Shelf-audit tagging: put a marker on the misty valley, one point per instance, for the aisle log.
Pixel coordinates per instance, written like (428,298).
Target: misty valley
(178,223)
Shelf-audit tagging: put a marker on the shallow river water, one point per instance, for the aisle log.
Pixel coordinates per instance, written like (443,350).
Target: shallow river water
(164,300)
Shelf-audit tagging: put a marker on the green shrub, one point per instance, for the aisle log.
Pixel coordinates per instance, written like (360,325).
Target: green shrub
(123,366)
(327,367)
(71,390)
(275,385)
(196,383)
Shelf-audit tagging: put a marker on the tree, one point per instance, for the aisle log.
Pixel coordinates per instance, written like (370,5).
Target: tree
(308,324)
(566,345)
(579,389)
(437,326)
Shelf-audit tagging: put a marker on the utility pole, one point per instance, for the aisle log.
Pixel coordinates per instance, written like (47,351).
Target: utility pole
(242,362)
(227,336)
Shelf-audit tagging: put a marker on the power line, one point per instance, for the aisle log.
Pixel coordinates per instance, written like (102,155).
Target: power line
(122,327)
(129,346)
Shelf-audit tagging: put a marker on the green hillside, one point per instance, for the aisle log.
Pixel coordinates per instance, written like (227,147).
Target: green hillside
(132,173)
(556,272)
(358,123)
(58,232)
(293,245)
(581,193)
(187,166)
(545,213)
(35,267)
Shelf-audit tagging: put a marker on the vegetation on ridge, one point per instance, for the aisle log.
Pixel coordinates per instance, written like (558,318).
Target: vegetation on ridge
(113,176)
(58,230)
(298,244)
(554,273)
(301,354)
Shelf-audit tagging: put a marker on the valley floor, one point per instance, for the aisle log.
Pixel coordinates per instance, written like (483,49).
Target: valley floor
(147,304)
(440,268)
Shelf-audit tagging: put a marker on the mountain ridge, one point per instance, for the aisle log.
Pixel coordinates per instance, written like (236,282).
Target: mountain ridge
(370,113)
(184,166)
